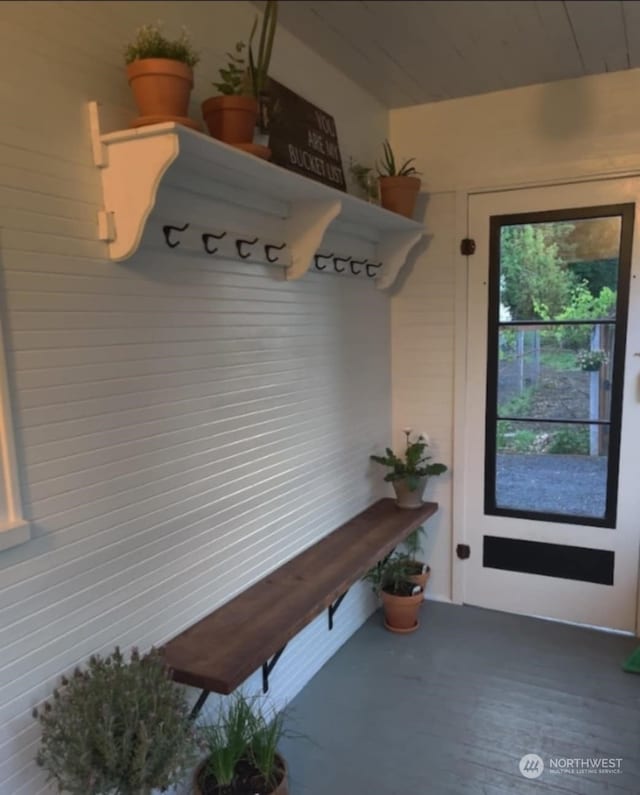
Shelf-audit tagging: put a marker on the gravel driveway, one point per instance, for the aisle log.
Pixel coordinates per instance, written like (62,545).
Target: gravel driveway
(573,484)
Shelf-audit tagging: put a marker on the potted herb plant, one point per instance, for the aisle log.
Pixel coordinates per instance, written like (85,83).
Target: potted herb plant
(399,185)
(231,116)
(419,571)
(409,473)
(117,727)
(401,598)
(242,752)
(364,180)
(160,73)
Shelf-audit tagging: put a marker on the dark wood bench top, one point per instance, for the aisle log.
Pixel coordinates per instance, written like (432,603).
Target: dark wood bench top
(220,651)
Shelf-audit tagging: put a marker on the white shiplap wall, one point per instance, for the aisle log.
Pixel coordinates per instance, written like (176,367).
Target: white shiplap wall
(183,425)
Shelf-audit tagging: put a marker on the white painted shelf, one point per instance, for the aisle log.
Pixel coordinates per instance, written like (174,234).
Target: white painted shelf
(135,163)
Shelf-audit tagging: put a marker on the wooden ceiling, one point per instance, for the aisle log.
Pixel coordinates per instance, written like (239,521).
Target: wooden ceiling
(406,53)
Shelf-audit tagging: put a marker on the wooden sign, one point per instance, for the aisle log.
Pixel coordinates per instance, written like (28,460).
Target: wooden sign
(302,138)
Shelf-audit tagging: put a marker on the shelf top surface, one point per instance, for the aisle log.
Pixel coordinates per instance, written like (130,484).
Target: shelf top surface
(220,651)
(241,169)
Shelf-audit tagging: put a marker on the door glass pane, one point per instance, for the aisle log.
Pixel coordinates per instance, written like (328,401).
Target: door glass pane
(552,467)
(555,372)
(559,270)
(555,340)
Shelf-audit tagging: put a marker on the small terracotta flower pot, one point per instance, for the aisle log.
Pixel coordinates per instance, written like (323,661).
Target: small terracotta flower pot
(231,119)
(421,579)
(161,87)
(282,788)
(401,612)
(399,194)
(405,498)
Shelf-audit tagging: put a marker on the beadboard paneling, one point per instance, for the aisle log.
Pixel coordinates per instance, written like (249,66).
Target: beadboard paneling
(183,425)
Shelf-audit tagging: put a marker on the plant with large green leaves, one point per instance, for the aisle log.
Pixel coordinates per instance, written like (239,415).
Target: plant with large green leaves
(413,465)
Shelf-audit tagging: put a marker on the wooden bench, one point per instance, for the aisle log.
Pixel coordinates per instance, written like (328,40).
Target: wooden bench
(219,652)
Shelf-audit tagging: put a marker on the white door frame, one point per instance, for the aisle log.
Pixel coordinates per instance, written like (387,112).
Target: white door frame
(460,418)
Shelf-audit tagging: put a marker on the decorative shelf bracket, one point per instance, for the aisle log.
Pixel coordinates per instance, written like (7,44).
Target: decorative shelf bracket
(393,251)
(333,608)
(306,226)
(131,173)
(267,668)
(134,163)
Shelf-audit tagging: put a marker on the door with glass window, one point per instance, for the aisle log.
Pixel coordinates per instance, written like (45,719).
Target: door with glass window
(552,406)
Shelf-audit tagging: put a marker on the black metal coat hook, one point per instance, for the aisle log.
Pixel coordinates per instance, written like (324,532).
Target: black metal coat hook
(269,248)
(206,237)
(167,229)
(372,265)
(321,256)
(356,262)
(240,243)
(336,260)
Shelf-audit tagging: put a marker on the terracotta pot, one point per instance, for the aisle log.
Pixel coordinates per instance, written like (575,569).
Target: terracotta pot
(161,87)
(420,579)
(231,119)
(405,498)
(399,194)
(281,789)
(401,612)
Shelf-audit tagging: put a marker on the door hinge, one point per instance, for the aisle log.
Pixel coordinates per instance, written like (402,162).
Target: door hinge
(463,551)
(467,246)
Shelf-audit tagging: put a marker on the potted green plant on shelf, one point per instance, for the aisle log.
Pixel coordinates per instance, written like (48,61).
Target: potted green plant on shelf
(116,727)
(591,361)
(242,752)
(160,73)
(409,474)
(365,181)
(231,116)
(401,599)
(399,185)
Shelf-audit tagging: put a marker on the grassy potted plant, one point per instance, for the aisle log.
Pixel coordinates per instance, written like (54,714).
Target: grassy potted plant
(242,752)
(399,185)
(117,727)
(231,116)
(401,598)
(409,474)
(160,73)
(419,572)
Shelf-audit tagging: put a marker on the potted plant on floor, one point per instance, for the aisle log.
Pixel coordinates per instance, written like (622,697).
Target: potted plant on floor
(242,752)
(409,474)
(116,727)
(160,73)
(232,115)
(419,571)
(401,598)
(399,186)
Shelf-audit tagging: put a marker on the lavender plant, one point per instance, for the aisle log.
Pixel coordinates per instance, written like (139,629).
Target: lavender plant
(116,728)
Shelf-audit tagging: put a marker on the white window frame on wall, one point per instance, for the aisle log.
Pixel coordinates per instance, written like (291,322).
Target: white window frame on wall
(14,528)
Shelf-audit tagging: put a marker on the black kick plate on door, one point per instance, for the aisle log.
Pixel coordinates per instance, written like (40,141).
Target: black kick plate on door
(550,560)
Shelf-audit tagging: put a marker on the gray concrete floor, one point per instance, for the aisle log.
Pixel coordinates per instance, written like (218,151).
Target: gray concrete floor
(452,708)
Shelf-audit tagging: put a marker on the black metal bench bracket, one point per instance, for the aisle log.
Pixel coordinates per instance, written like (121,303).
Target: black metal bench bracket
(268,666)
(333,608)
(198,705)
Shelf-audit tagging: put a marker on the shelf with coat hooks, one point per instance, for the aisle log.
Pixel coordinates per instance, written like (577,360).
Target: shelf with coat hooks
(263,213)
(229,245)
